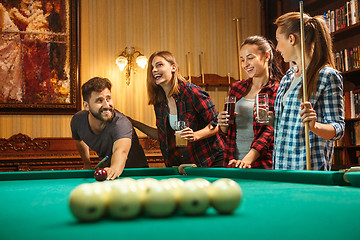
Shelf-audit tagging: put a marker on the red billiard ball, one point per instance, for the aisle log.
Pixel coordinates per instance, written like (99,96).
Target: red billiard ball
(100,174)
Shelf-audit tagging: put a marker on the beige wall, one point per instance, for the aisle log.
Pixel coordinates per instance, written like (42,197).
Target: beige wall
(180,26)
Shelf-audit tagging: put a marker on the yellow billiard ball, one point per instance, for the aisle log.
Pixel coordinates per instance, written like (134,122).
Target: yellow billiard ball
(125,201)
(175,184)
(160,200)
(105,188)
(143,185)
(126,180)
(226,195)
(195,198)
(87,202)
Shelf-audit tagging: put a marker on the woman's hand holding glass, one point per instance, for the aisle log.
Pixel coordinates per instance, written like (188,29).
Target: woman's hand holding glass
(223,119)
(188,134)
(271,118)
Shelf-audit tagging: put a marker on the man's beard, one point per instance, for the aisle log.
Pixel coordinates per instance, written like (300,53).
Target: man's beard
(98,115)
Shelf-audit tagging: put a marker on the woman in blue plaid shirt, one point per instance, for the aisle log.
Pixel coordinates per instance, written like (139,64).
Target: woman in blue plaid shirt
(323,111)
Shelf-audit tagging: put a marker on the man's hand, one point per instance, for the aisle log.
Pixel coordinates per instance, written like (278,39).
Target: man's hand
(113,172)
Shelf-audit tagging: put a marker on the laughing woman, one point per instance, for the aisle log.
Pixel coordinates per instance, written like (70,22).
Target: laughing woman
(176,99)
(249,144)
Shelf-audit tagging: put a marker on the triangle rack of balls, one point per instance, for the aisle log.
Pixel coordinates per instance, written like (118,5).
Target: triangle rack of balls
(128,198)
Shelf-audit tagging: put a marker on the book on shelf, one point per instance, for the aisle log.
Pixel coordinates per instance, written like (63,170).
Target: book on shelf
(339,143)
(356,129)
(342,17)
(352,104)
(357,155)
(348,59)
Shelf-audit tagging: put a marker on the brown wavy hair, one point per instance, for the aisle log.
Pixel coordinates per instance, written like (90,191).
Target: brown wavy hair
(317,40)
(155,93)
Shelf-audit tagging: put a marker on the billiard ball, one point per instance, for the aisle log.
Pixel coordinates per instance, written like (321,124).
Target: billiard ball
(87,203)
(202,182)
(175,184)
(226,195)
(160,200)
(195,198)
(126,180)
(143,185)
(100,174)
(125,201)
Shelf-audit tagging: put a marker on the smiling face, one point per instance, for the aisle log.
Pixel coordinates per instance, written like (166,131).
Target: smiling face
(286,45)
(100,105)
(254,62)
(162,70)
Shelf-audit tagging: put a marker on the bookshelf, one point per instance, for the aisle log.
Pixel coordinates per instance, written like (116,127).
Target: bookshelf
(346,38)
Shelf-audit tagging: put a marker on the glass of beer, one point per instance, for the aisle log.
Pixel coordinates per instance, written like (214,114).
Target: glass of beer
(179,126)
(230,108)
(262,107)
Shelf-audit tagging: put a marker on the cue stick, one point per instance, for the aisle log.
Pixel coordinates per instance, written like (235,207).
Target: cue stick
(202,68)
(188,62)
(305,97)
(103,160)
(238,45)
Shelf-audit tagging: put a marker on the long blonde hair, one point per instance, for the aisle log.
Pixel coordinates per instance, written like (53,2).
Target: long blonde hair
(155,92)
(317,40)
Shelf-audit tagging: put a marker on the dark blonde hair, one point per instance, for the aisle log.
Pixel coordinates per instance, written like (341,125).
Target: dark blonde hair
(317,41)
(264,46)
(155,92)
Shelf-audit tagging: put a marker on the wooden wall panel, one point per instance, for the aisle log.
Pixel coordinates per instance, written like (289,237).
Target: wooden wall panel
(181,26)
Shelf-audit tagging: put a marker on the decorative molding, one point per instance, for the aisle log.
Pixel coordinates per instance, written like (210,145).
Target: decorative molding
(21,153)
(21,142)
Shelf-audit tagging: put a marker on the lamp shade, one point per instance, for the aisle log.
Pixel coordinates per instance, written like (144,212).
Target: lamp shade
(141,61)
(121,61)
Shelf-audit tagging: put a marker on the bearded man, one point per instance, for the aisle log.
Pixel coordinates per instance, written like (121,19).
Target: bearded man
(106,131)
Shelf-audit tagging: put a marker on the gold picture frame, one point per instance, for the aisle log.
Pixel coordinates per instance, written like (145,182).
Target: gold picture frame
(39,57)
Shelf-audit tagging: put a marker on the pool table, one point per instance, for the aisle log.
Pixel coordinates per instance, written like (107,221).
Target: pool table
(276,205)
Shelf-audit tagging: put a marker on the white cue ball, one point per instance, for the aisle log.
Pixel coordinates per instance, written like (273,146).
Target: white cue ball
(125,201)
(226,195)
(160,200)
(87,202)
(195,198)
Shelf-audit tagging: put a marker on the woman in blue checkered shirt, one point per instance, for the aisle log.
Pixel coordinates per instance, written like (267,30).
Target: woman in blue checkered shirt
(323,111)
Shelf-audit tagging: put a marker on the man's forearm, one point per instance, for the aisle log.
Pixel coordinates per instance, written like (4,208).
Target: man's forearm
(84,152)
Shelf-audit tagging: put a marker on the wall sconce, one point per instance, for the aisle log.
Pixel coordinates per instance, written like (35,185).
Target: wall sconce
(126,59)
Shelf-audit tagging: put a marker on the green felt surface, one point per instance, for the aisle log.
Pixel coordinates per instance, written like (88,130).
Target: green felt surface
(280,209)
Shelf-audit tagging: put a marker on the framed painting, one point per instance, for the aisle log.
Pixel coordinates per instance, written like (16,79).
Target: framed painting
(39,56)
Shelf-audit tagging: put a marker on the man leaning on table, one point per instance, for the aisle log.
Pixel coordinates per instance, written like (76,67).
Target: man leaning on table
(106,131)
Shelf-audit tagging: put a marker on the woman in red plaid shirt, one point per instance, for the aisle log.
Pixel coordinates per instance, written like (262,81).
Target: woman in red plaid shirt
(249,144)
(176,99)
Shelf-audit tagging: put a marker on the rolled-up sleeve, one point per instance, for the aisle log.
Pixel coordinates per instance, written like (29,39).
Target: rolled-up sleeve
(333,101)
